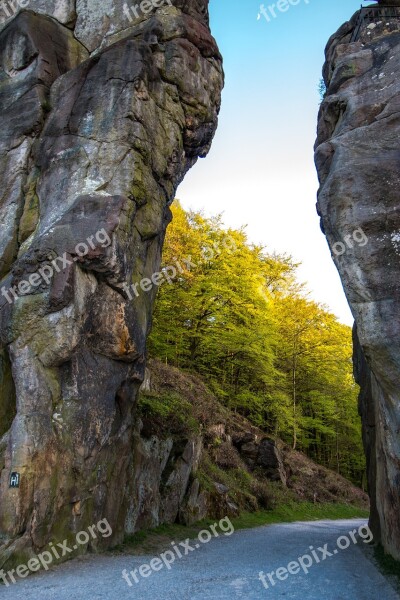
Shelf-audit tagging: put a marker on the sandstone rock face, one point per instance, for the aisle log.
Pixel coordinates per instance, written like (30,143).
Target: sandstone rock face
(159,482)
(196,505)
(98,24)
(92,150)
(263,454)
(358,161)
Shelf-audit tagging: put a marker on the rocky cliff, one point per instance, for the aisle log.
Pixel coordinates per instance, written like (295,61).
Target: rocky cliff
(102,114)
(358,161)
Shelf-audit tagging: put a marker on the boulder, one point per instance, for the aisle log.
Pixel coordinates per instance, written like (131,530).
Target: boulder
(264,455)
(271,461)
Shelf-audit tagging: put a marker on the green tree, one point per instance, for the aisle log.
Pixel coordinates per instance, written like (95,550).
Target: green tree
(236,315)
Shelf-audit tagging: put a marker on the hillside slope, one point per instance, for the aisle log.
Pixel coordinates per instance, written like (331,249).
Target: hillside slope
(198,459)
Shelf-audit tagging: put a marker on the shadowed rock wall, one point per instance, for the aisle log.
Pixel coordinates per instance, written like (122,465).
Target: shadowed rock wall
(358,162)
(92,149)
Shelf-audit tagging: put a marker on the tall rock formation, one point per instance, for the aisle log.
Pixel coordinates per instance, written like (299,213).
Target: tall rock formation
(358,161)
(102,114)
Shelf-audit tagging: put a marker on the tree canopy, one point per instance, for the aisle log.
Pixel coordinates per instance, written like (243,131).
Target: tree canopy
(236,315)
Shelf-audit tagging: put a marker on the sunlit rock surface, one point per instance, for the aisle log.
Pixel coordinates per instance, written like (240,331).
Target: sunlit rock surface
(358,161)
(92,150)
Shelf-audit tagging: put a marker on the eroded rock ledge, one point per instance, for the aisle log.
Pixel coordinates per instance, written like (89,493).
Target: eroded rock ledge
(88,144)
(358,161)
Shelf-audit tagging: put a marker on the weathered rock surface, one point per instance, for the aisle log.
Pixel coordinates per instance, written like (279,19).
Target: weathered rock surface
(98,24)
(92,150)
(263,454)
(159,482)
(358,161)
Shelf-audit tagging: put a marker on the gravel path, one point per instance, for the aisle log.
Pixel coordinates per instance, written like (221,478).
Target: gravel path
(225,568)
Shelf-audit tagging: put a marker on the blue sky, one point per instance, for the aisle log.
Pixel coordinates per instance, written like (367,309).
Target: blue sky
(260,171)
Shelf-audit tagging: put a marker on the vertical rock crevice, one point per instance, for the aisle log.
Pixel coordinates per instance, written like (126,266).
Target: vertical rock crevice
(8,406)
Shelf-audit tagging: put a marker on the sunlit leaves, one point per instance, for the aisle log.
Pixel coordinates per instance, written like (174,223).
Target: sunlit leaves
(236,315)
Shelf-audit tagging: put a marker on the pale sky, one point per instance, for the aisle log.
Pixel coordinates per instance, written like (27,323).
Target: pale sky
(260,171)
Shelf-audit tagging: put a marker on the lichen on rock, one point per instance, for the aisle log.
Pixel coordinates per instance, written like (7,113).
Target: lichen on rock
(358,161)
(89,144)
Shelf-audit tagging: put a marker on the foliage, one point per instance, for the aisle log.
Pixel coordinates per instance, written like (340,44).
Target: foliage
(236,315)
(171,412)
(322,89)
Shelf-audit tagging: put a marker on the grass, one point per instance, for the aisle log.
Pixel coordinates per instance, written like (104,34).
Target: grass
(169,413)
(299,511)
(156,540)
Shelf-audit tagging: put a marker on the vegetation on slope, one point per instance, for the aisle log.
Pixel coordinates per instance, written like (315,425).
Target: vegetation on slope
(180,404)
(235,315)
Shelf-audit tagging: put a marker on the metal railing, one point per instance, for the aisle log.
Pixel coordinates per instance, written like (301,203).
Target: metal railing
(371,14)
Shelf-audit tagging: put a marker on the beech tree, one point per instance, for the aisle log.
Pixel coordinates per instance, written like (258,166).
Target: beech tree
(236,315)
